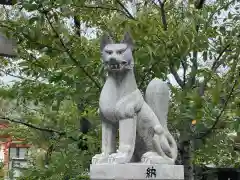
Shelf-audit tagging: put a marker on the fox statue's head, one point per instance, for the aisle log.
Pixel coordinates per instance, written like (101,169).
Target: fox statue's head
(117,57)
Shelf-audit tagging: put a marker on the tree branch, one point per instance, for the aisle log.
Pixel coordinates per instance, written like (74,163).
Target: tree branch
(217,62)
(164,21)
(43,129)
(184,66)
(27,36)
(128,14)
(218,10)
(221,112)
(110,8)
(70,55)
(33,126)
(16,76)
(163,13)
(77,25)
(48,155)
(193,69)
(176,76)
(7,15)
(12,75)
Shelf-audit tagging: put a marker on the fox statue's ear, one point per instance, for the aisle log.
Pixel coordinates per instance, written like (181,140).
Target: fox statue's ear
(127,39)
(105,40)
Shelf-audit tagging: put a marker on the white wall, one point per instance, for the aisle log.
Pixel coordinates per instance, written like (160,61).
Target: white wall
(1,152)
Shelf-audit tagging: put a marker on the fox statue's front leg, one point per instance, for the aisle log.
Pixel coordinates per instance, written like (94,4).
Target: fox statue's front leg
(126,111)
(127,136)
(109,133)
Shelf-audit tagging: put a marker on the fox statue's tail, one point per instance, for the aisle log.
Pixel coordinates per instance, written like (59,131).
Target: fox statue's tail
(157,97)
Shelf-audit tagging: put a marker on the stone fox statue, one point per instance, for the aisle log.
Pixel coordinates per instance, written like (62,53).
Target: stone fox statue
(142,124)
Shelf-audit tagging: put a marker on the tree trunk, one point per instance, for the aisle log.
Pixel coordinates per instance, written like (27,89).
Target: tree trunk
(187,157)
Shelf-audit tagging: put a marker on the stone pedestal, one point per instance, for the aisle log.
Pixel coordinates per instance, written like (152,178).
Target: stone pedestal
(137,171)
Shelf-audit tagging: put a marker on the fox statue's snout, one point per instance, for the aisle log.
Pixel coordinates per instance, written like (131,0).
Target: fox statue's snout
(115,61)
(115,64)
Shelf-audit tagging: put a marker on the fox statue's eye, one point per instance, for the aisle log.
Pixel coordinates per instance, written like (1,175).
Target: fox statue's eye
(109,52)
(120,51)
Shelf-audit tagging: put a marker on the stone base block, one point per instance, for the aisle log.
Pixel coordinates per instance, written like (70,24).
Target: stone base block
(137,171)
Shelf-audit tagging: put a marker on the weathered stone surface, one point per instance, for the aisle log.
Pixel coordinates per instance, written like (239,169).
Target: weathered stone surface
(145,144)
(142,123)
(136,171)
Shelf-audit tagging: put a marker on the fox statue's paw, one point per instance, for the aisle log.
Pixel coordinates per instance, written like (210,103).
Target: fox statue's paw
(154,158)
(122,156)
(100,158)
(118,158)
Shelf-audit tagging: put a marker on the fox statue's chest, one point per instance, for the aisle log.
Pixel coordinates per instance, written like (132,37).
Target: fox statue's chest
(109,98)
(109,108)
(115,108)
(119,99)
(109,113)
